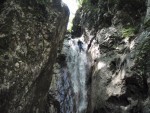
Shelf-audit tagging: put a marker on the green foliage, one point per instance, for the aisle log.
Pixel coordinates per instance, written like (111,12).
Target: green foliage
(128,32)
(82,2)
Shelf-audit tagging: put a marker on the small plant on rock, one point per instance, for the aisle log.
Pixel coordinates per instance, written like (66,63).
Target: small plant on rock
(128,32)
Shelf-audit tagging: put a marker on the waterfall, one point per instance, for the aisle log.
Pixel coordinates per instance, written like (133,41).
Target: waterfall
(74,76)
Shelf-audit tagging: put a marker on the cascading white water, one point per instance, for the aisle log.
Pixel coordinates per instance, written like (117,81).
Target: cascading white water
(73,76)
(65,92)
(77,69)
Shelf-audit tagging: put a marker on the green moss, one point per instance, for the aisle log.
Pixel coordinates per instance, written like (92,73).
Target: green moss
(128,32)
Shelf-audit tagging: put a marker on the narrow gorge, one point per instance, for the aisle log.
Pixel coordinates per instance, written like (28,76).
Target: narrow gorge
(100,65)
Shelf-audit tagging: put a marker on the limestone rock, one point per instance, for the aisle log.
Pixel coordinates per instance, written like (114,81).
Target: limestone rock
(30,33)
(118,47)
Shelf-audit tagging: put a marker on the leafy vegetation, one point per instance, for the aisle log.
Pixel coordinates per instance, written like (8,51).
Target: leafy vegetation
(82,2)
(128,32)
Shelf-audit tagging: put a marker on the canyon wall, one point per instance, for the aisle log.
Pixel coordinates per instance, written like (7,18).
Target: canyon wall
(30,34)
(118,36)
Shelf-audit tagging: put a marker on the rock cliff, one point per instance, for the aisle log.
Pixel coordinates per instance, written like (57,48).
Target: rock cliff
(30,33)
(108,72)
(118,36)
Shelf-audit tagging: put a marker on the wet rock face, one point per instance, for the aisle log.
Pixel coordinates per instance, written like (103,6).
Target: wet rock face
(30,32)
(118,46)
